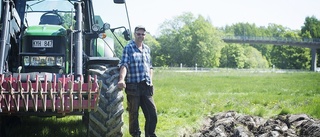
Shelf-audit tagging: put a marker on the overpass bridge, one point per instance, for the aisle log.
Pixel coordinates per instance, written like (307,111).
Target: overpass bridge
(313,44)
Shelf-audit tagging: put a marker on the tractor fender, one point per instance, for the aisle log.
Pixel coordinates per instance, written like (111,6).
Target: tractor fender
(102,60)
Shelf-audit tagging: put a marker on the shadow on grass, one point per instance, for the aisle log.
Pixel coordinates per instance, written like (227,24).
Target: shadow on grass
(43,127)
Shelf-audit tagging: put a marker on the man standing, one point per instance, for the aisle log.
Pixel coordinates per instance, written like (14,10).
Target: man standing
(136,77)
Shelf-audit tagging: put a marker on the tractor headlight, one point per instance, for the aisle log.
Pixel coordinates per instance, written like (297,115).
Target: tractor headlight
(42,61)
(59,61)
(35,60)
(95,27)
(50,61)
(26,60)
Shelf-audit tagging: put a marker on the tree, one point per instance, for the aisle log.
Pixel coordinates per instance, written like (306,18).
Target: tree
(281,56)
(232,56)
(271,31)
(312,26)
(311,29)
(251,30)
(157,58)
(189,40)
(68,20)
(289,57)
(254,58)
(172,47)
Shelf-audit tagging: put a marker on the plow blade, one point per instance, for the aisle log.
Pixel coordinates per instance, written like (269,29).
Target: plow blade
(62,95)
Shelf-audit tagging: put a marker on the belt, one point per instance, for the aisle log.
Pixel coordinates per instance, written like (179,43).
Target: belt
(142,82)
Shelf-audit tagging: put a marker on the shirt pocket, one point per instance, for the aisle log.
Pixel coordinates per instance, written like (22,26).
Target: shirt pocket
(136,57)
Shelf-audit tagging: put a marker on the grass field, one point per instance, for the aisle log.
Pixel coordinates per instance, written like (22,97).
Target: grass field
(184,99)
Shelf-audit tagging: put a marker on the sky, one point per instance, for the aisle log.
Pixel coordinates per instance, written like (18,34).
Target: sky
(152,13)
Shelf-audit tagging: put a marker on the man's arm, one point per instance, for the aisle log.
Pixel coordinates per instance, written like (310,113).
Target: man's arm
(123,73)
(151,74)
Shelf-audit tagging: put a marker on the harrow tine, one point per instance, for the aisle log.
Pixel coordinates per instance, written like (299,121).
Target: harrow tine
(61,96)
(51,96)
(13,97)
(44,96)
(54,91)
(70,83)
(98,90)
(30,91)
(23,97)
(80,95)
(89,90)
(6,100)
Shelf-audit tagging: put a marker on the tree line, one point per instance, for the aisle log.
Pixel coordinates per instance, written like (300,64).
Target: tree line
(188,40)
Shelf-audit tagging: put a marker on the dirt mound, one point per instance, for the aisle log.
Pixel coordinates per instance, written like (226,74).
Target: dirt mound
(233,124)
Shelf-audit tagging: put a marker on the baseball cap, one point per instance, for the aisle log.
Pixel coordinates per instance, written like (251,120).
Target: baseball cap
(140,27)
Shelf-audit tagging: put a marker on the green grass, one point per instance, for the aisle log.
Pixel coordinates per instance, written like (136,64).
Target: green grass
(70,126)
(184,99)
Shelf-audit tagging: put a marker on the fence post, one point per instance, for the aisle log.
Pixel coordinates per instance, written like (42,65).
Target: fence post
(196,67)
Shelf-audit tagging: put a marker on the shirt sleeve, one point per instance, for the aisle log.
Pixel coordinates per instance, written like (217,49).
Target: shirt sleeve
(151,67)
(125,57)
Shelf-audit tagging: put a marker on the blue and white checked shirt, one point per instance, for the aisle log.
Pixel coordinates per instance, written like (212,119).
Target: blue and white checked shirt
(138,63)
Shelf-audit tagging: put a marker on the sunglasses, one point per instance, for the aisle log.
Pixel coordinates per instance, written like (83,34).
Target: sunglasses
(140,34)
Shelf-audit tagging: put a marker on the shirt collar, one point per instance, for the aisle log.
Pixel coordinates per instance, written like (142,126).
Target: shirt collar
(135,45)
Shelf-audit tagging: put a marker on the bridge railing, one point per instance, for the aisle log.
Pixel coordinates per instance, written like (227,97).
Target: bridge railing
(255,38)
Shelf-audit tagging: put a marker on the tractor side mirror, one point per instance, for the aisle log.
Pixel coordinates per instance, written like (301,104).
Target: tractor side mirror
(126,34)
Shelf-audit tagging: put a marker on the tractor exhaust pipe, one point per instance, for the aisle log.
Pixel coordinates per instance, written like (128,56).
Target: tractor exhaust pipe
(78,41)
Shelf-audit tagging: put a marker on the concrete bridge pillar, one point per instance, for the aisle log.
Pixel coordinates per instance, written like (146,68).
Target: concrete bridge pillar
(313,59)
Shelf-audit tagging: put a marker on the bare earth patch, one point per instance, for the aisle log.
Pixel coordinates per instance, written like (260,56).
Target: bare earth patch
(233,124)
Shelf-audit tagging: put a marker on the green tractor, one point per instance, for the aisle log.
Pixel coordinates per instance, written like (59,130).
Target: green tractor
(56,61)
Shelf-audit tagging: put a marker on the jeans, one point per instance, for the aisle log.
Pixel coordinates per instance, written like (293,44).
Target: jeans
(140,95)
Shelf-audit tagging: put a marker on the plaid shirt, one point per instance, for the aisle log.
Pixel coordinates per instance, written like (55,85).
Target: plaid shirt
(138,63)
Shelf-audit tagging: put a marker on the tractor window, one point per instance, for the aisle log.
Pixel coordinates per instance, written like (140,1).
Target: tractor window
(53,19)
(53,12)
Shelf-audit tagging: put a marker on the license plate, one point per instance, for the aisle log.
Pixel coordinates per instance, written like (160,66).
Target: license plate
(42,43)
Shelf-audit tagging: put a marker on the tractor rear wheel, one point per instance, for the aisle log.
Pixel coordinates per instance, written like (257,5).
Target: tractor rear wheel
(107,121)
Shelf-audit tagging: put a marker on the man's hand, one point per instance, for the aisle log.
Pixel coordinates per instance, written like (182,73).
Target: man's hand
(121,84)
